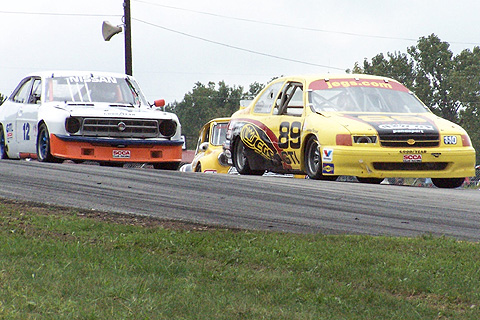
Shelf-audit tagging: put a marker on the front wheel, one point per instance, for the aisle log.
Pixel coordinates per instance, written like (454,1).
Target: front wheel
(448,182)
(43,145)
(166,165)
(370,180)
(313,161)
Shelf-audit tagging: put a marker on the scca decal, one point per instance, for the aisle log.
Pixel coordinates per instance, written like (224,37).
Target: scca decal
(255,139)
(121,154)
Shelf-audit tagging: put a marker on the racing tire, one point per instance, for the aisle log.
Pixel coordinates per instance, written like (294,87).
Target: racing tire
(240,160)
(448,182)
(167,165)
(43,145)
(3,145)
(198,168)
(370,180)
(313,161)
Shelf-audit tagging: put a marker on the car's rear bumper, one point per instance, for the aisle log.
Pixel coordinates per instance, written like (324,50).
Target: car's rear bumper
(385,163)
(115,150)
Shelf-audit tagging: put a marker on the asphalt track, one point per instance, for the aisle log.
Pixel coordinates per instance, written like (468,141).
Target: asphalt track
(260,203)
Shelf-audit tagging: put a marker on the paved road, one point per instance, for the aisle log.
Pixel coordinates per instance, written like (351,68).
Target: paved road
(263,203)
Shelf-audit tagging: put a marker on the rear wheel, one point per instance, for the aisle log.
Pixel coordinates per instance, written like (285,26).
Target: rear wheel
(3,146)
(240,160)
(448,182)
(43,145)
(313,161)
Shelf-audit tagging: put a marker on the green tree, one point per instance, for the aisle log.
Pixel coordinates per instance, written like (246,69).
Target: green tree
(433,65)
(397,66)
(204,103)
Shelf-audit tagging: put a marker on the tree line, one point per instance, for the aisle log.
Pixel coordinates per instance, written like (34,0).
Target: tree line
(448,84)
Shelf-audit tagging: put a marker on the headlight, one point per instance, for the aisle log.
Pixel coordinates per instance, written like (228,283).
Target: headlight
(167,128)
(72,125)
(365,139)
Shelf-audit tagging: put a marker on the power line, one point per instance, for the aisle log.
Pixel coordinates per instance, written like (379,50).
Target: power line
(293,27)
(61,14)
(237,48)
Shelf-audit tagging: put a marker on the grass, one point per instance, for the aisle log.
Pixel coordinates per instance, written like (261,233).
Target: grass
(58,263)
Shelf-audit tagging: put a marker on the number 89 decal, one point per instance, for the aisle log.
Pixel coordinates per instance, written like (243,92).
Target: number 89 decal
(289,135)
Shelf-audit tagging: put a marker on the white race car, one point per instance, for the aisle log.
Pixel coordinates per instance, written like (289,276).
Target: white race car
(93,116)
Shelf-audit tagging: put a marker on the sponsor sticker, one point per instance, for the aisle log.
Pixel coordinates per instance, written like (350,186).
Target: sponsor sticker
(121,154)
(328,168)
(327,155)
(412,158)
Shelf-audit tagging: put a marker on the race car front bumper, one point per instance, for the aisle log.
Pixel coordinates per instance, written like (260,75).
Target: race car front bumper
(115,150)
(370,162)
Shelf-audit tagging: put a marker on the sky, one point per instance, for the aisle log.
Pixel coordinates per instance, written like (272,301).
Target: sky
(177,43)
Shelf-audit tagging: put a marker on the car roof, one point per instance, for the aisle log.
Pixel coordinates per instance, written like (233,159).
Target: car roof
(69,73)
(314,77)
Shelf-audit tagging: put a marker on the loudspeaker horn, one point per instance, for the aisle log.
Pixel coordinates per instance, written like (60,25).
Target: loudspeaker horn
(109,30)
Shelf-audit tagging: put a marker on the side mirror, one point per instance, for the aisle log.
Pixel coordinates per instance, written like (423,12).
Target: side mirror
(203,147)
(159,103)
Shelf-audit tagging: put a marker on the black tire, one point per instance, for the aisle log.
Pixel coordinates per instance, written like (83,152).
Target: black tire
(198,168)
(448,182)
(240,159)
(167,165)
(370,180)
(313,161)
(43,145)
(3,145)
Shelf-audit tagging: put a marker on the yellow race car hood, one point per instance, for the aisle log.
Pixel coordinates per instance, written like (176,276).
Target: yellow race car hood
(388,123)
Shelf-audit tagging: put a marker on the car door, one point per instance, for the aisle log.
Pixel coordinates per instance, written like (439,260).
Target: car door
(26,121)
(286,123)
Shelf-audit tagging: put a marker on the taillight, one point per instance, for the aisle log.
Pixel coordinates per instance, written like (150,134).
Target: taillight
(344,140)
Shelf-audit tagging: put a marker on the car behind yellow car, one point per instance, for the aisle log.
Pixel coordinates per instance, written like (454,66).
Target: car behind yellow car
(365,126)
(209,155)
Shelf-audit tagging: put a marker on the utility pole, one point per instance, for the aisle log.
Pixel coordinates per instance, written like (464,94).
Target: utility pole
(128,38)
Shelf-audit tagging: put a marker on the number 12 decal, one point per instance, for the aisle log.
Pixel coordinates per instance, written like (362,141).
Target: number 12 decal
(26,131)
(289,135)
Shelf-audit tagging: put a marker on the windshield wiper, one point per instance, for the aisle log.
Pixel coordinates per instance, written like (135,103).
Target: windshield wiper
(124,105)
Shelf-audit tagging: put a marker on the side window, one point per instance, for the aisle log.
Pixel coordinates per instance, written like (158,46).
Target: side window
(292,100)
(22,93)
(266,101)
(36,92)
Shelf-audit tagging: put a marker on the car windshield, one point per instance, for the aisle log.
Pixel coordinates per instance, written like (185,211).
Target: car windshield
(363,96)
(219,134)
(80,89)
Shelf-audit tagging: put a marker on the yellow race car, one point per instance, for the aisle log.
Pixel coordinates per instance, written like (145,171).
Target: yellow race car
(209,155)
(365,126)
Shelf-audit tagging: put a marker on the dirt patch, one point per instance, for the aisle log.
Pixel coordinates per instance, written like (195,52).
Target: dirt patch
(119,218)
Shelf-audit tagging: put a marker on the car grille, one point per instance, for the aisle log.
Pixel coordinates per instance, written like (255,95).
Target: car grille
(411,166)
(410,140)
(115,127)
